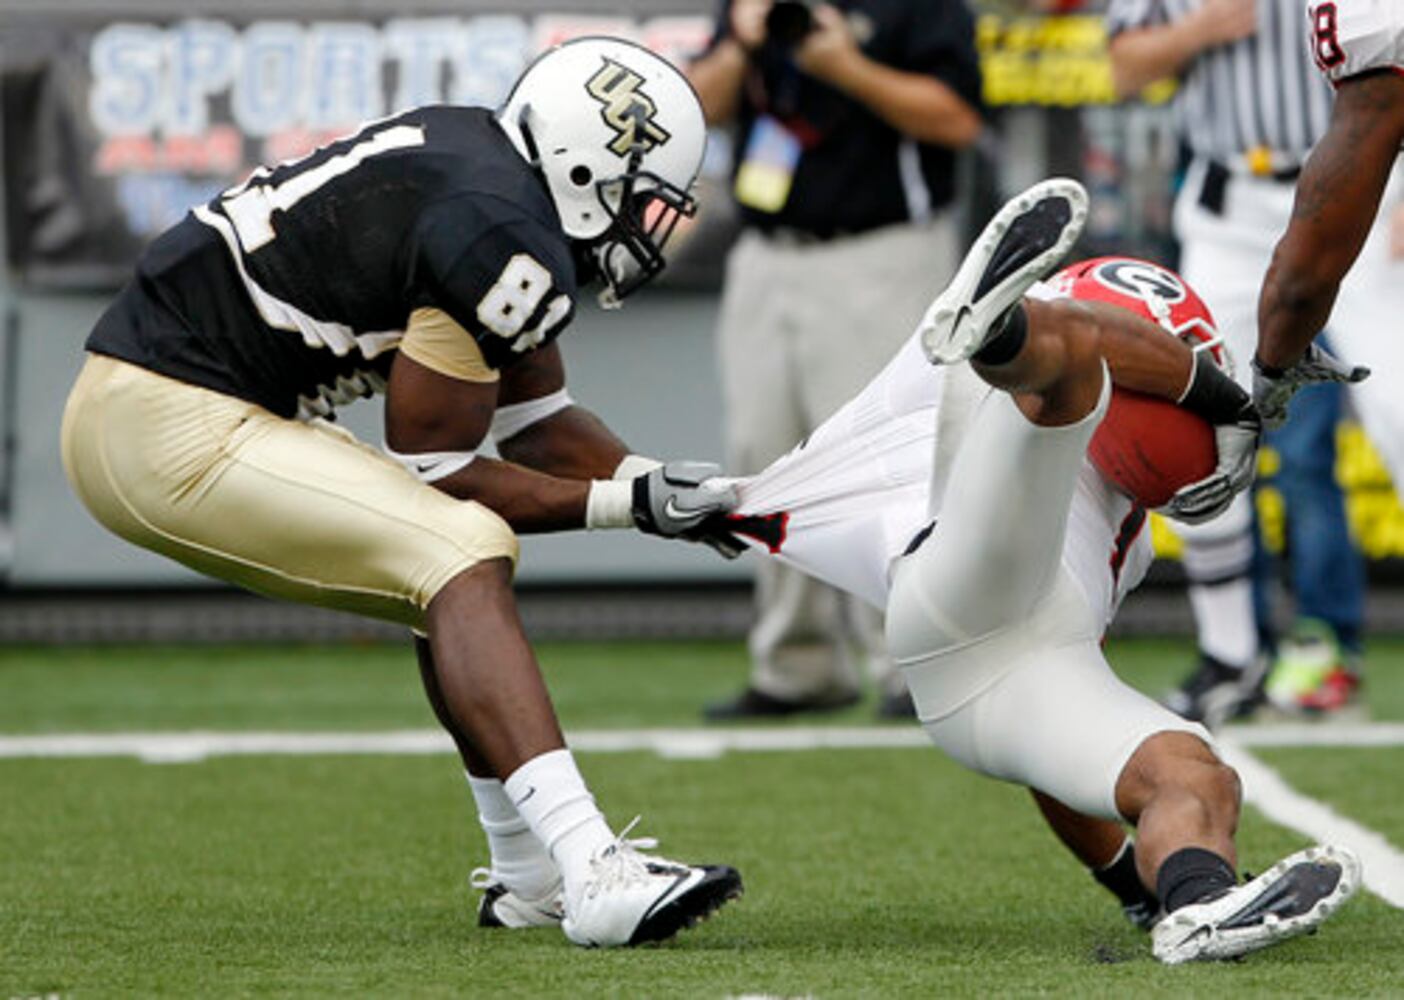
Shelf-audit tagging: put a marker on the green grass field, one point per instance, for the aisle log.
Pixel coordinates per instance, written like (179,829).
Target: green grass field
(869,872)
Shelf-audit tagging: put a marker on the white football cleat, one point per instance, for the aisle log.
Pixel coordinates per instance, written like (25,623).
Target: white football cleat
(1024,243)
(501,907)
(1292,897)
(632,898)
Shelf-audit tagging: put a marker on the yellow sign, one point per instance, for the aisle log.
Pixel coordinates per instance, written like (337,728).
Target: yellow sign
(1054,61)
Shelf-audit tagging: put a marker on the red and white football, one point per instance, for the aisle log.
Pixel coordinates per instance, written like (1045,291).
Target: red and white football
(1147,447)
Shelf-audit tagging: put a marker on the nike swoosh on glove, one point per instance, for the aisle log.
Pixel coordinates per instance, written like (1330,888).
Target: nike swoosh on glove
(1273,390)
(675,499)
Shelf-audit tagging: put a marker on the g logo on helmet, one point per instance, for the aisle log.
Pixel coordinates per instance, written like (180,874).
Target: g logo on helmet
(627,109)
(1142,280)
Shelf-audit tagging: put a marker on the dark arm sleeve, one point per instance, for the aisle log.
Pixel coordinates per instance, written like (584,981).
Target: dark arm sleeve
(504,277)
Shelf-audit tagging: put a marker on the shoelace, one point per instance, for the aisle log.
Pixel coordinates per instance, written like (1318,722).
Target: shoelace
(482,878)
(621,863)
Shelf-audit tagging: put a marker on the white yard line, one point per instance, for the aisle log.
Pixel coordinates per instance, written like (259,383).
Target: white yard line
(677,743)
(1274,798)
(1263,787)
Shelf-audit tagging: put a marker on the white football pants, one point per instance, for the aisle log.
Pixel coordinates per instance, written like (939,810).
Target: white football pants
(998,640)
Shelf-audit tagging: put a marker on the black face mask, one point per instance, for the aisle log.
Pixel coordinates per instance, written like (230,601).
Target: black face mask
(629,254)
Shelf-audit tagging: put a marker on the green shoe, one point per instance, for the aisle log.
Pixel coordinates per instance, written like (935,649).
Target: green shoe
(1303,662)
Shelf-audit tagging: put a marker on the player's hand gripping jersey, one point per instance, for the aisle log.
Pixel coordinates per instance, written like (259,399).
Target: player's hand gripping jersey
(1350,37)
(293,289)
(868,485)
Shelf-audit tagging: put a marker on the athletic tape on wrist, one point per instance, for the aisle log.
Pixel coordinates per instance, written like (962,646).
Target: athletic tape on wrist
(610,504)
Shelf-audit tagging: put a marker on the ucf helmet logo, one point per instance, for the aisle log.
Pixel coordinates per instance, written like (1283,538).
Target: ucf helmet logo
(626,109)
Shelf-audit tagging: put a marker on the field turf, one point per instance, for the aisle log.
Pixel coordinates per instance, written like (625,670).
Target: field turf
(879,873)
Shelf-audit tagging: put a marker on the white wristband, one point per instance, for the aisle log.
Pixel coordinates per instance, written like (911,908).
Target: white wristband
(633,466)
(610,504)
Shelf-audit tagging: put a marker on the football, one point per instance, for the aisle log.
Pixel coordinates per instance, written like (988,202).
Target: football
(1149,448)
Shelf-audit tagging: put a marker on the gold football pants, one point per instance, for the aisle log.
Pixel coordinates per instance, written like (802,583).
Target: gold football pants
(302,511)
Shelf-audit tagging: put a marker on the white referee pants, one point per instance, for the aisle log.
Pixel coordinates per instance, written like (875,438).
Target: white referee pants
(804,327)
(996,637)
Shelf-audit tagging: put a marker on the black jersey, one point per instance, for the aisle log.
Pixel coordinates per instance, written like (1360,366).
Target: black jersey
(293,289)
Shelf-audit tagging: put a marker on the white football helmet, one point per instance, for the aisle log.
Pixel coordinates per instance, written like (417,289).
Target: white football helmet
(617,133)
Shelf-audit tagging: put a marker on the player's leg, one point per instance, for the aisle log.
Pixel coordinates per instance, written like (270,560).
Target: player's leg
(860,299)
(1184,802)
(307,513)
(1109,854)
(521,885)
(1060,721)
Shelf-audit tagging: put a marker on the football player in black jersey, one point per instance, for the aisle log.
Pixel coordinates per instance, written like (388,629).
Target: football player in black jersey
(435,256)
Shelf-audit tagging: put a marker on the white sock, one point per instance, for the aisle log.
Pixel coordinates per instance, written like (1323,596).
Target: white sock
(519,859)
(550,795)
(1223,614)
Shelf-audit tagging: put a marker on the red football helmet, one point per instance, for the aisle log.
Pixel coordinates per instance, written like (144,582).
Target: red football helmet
(1155,292)
(1149,448)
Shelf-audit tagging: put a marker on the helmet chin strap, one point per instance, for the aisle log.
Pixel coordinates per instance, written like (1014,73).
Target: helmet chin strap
(527,145)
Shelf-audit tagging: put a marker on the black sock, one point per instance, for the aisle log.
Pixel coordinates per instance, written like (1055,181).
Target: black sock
(1121,879)
(1008,341)
(1193,875)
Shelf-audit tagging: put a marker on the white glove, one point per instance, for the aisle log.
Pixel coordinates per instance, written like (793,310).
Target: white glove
(1272,392)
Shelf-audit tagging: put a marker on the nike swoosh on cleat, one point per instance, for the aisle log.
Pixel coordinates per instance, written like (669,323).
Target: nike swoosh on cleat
(686,875)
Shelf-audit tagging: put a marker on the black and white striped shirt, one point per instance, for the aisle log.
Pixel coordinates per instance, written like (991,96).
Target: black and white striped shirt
(1263,92)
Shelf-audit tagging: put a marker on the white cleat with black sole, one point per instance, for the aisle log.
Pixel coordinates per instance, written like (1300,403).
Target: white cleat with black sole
(1292,897)
(632,898)
(501,907)
(1024,243)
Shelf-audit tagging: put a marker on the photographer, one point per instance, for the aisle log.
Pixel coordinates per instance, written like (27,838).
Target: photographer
(847,117)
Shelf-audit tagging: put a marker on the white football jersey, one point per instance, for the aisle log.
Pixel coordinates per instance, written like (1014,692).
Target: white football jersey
(850,499)
(1350,37)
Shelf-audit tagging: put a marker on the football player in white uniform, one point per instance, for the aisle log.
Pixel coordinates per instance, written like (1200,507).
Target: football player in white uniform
(963,501)
(1359,45)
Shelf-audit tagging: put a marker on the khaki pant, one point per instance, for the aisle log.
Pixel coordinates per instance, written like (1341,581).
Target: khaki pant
(803,329)
(294,510)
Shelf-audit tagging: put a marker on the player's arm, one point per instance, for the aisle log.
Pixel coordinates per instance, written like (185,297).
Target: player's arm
(539,426)
(1139,355)
(1338,195)
(436,419)
(1140,56)
(442,403)
(1142,358)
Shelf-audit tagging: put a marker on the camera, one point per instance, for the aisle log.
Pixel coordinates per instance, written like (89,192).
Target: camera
(788,21)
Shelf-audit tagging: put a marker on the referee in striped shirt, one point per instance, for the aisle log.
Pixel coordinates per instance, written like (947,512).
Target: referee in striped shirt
(1251,104)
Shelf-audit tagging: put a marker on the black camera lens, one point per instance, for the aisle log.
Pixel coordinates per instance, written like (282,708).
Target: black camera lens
(788,22)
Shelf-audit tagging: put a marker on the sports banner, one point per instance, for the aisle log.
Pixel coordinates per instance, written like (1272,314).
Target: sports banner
(112,131)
